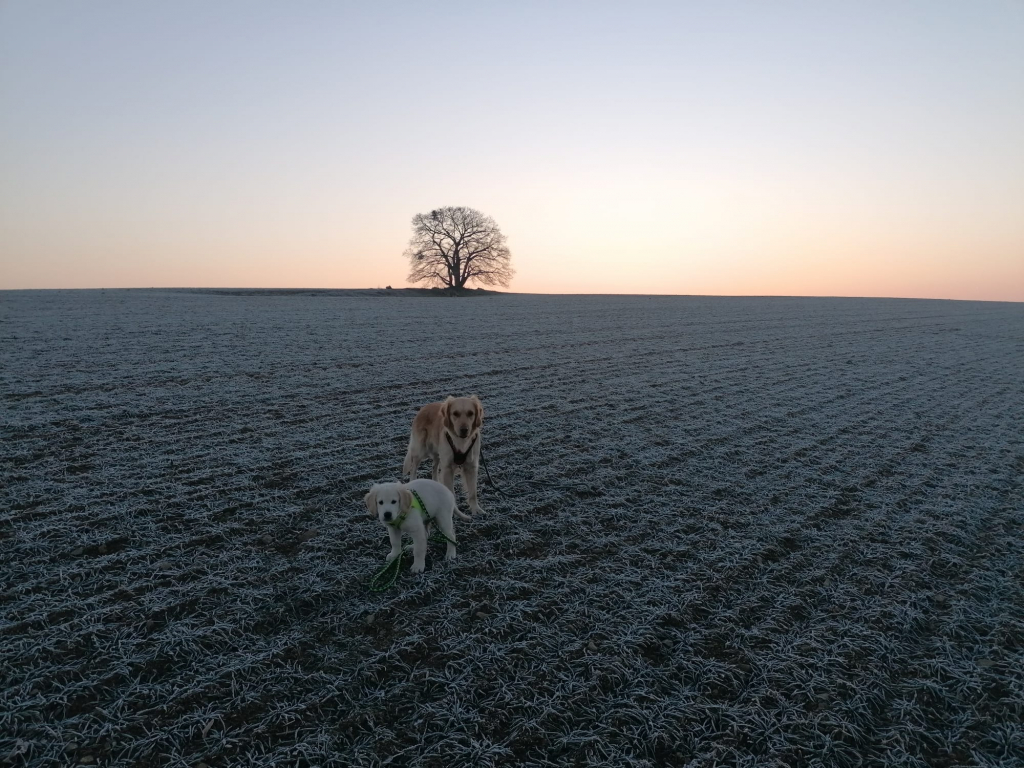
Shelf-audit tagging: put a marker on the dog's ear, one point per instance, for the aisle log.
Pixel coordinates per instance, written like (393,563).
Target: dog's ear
(446,412)
(371,500)
(405,500)
(478,419)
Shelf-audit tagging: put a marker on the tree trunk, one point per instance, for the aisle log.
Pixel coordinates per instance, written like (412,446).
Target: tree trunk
(457,280)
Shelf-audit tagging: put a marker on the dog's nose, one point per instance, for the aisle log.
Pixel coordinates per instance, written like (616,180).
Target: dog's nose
(387,515)
(463,432)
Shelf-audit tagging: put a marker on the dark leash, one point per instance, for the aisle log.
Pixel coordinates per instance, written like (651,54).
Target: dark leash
(490,480)
(533,483)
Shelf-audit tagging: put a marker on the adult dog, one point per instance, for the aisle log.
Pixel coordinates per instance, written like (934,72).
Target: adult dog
(413,508)
(448,433)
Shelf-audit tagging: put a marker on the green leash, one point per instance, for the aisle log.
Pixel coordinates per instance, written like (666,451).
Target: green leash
(386,577)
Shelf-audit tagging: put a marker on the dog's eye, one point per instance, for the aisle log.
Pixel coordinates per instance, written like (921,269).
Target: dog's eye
(455,414)
(393,501)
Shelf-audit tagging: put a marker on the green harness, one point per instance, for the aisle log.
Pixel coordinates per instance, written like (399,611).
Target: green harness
(417,503)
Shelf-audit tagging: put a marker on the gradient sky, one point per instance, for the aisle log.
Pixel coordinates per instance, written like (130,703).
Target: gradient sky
(797,148)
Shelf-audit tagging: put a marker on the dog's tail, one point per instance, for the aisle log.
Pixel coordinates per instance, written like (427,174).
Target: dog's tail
(418,440)
(460,514)
(409,466)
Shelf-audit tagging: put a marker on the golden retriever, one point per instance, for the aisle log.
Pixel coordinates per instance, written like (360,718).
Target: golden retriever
(448,433)
(392,504)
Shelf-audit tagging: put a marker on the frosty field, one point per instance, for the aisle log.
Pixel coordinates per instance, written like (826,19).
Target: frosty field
(736,532)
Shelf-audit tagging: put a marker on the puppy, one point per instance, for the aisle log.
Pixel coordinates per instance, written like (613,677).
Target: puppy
(395,506)
(449,434)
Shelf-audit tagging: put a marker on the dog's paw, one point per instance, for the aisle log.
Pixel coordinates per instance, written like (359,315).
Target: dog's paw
(418,567)
(391,556)
(476,509)
(449,556)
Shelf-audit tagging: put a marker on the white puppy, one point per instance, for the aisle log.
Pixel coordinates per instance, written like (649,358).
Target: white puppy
(396,505)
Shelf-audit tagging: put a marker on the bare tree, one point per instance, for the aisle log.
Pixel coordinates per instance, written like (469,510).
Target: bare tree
(451,246)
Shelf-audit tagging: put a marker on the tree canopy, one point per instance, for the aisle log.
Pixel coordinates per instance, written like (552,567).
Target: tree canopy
(451,246)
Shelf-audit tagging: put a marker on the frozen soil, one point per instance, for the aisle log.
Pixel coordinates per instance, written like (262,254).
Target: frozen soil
(734,532)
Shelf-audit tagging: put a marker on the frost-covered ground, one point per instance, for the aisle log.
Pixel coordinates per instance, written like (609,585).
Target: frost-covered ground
(737,532)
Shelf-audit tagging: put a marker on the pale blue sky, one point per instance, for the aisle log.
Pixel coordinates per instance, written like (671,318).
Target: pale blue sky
(869,148)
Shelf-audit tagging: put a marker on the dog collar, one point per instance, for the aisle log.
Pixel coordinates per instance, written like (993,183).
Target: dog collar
(460,456)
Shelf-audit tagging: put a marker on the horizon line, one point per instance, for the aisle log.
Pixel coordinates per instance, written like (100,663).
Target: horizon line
(521,293)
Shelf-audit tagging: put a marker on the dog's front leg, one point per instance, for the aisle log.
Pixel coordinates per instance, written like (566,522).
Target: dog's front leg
(419,548)
(396,543)
(469,483)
